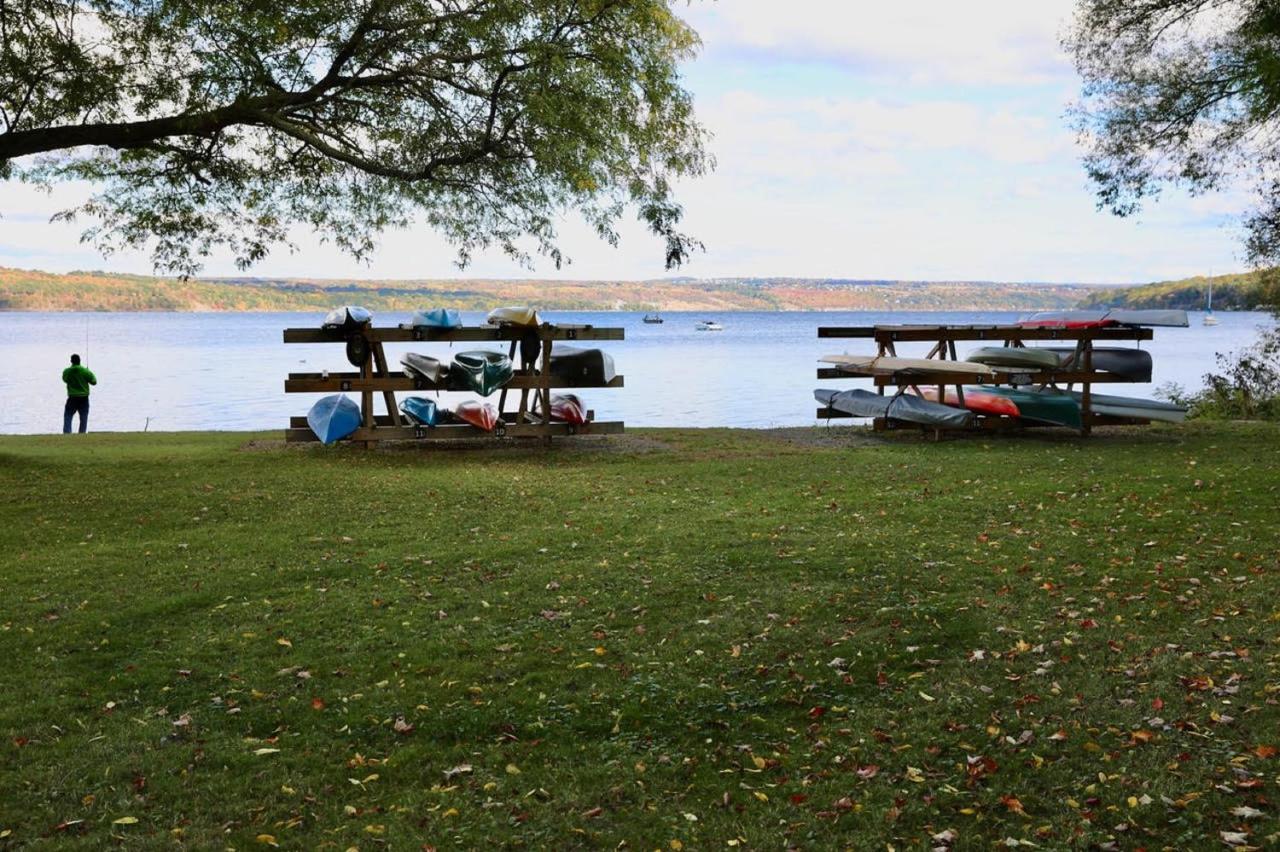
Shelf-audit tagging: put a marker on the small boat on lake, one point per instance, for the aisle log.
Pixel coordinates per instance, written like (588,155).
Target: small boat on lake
(333,418)
(1014,357)
(1209,318)
(480,370)
(481,415)
(709,325)
(653,319)
(347,318)
(578,368)
(907,407)
(425,367)
(436,318)
(422,411)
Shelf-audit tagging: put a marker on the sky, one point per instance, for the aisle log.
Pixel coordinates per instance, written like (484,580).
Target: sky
(921,141)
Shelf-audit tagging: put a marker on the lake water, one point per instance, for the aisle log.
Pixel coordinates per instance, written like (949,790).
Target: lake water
(226,371)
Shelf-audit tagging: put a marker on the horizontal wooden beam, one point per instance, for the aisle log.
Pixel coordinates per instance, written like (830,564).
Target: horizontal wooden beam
(464,431)
(455,335)
(342,382)
(934,333)
(942,377)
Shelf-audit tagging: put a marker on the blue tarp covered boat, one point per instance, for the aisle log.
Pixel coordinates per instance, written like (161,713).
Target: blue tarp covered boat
(333,418)
(913,409)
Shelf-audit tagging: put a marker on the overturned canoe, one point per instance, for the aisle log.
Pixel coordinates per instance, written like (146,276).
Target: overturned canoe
(1054,409)
(1067,319)
(565,408)
(1133,364)
(907,407)
(582,367)
(437,318)
(333,418)
(1125,406)
(481,415)
(1015,357)
(425,367)
(422,411)
(480,370)
(347,318)
(1165,318)
(513,316)
(887,365)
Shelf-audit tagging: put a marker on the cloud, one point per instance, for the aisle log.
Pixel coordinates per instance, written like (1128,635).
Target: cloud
(925,41)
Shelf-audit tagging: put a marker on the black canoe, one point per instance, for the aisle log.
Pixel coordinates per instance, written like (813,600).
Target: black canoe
(1132,364)
(581,368)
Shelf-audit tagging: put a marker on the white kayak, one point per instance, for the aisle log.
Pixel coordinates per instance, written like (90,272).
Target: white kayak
(887,365)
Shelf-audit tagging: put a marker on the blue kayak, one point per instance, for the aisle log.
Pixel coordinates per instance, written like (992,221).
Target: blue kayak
(437,318)
(334,418)
(421,410)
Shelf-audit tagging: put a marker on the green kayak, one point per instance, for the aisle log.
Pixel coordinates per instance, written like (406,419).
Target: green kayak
(1057,409)
(1017,357)
(480,371)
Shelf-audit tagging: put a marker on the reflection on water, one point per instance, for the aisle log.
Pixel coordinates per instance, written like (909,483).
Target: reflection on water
(226,371)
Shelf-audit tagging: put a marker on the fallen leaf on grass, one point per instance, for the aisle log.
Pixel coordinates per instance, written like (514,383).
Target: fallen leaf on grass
(125,820)
(267,751)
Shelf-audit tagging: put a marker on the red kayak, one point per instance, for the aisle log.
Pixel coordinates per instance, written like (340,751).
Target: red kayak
(566,408)
(977,401)
(480,415)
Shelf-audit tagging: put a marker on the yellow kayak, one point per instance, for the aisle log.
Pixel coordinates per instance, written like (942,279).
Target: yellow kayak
(513,316)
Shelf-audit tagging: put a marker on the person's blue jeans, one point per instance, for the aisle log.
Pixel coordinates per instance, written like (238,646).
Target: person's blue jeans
(75,404)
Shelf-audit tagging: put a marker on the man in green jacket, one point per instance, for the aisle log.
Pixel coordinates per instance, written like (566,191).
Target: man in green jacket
(77,379)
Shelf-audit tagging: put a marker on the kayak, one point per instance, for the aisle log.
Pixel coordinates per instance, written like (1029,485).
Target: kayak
(480,370)
(481,415)
(887,365)
(1014,356)
(565,408)
(1054,409)
(422,411)
(908,407)
(1132,364)
(1127,406)
(513,316)
(977,400)
(425,367)
(1067,319)
(437,318)
(1151,317)
(582,367)
(348,318)
(333,418)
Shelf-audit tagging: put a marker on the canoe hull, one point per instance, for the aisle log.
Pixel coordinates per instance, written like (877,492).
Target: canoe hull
(333,418)
(347,318)
(1132,364)
(579,368)
(887,365)
(1055,410)
(481,371)
(1015,357)
(437,318)
(1067,319)
(522,316)
(481,415)
(425,367)
(421,410)
(906,407)
(565,408)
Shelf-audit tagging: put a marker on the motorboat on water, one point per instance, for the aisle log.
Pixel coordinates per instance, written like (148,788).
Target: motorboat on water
(653,319)
(709,325)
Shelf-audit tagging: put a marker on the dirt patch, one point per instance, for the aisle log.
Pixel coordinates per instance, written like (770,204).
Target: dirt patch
(825,437)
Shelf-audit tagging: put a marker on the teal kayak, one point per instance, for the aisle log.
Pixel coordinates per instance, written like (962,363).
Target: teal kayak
(437,318)
(1053,408)
(422,411)
(480,370)
(1133,407)
(1016,357)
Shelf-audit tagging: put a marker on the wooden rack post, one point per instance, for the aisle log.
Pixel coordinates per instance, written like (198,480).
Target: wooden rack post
(375,377)
(944,337)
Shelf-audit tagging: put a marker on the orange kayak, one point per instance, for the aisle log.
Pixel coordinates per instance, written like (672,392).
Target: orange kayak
(975,400)
(480,415)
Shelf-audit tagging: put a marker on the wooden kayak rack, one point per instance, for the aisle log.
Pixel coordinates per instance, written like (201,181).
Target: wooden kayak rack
(944,339)
(374,377)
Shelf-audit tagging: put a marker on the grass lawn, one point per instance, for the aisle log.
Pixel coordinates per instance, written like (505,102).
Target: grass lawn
(682,639)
